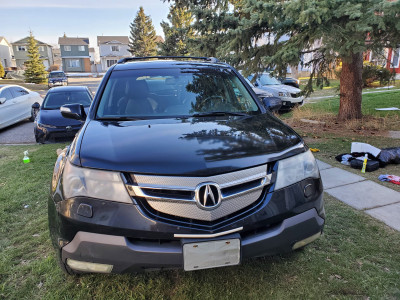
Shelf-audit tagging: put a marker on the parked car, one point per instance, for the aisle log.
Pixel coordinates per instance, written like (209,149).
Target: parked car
(57,78)
(16,104)
(50,125)
(289,95)
(270,102)
(290,81)
(179,165)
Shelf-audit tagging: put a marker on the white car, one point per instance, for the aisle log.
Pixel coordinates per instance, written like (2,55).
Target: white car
(290,96)
(16,104)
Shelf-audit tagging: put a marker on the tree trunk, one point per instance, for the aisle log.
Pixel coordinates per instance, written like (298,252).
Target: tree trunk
(351,88)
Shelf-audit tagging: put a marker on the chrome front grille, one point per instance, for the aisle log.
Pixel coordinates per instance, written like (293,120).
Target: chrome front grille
(174,195)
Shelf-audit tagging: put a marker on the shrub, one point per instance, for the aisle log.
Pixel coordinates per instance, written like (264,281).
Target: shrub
(1,71)
(372,73)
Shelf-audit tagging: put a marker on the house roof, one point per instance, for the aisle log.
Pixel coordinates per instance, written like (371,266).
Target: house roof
(112,40)
(78,41)
(3,38)
(159,39)
(24,41)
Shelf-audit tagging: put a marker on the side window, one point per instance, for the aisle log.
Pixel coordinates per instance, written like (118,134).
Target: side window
(18,91)
(6,94)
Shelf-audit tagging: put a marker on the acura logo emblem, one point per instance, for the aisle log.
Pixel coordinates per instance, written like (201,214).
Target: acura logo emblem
(208,195)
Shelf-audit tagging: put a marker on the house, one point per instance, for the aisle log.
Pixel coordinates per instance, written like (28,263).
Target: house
(20,49)
(6,53)
(57,57)
(112,48)
(388,58)
(75,54)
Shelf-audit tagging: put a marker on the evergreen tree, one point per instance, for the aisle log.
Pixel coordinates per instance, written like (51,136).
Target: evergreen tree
(1,70)
(142,40)
(330,31)
(178,34)
(35,71)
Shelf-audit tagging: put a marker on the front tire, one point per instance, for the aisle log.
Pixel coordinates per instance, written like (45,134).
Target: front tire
(33,115)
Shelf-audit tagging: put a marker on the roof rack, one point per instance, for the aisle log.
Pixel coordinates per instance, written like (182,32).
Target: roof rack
(210,59)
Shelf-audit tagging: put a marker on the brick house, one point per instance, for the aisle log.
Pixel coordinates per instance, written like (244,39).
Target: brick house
(75,54)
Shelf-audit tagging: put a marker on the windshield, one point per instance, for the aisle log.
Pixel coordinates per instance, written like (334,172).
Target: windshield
(57,75)
(56,100)
(266,79)
(176,92)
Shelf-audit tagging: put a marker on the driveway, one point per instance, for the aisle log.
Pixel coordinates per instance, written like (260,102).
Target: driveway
(22,132)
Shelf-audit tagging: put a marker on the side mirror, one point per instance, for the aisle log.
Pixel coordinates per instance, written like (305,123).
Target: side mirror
(272,103)
(73,111)
(255,83)
(35,105)
(2,100)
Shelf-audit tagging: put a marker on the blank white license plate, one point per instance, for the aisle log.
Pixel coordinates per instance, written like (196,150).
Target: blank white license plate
(205,255)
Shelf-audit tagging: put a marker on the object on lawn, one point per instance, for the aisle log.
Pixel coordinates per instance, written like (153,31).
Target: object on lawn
(26,206)
(364,166)
(364,148)
(391,178)
(390,156)
(387,108)
(314,149)
(26,157)
(344,159)
(372,165)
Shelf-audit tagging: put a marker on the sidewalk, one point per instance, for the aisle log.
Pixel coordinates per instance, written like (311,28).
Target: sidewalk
(374,199)
(307,100)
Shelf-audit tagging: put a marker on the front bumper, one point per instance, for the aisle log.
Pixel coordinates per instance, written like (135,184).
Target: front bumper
(290,102)
(56,83)
(49,134)
(130,255)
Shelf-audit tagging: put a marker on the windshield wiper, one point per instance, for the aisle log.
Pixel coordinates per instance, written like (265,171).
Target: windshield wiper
(219,113)
(120,118)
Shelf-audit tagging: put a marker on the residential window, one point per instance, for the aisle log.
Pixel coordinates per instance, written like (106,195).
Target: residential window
(67,48)
(395,58)
(111,62)
(114,48)
(41,48)
(21,48)
(73,63)
(81,48)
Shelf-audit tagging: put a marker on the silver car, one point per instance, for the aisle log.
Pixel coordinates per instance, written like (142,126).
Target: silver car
(16,104)
(289,95)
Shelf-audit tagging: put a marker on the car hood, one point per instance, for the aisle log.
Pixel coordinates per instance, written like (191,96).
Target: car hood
(261,93)
(54,117)
(192,147)
(275,89)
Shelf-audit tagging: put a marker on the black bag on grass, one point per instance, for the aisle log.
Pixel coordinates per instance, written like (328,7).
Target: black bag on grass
(389,156)
(372,165)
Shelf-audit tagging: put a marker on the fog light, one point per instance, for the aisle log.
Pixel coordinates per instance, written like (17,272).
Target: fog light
(88,266)
(306,241)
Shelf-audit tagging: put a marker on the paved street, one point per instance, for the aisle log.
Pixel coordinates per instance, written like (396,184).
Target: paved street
(22,133)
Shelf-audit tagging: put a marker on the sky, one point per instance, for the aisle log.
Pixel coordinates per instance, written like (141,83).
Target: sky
(50,19)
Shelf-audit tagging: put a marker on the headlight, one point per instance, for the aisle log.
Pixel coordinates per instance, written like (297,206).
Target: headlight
(283,94)
(93,183)
(295,169)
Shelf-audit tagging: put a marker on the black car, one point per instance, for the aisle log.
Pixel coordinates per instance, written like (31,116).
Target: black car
(57,78)
(50,125)
(178,165)
(290,81)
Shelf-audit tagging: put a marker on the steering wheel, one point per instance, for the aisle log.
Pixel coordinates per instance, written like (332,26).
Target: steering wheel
(209,102)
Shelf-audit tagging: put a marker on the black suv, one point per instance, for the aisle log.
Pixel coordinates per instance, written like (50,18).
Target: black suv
(178,165)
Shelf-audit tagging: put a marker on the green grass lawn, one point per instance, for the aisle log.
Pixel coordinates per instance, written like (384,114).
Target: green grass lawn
(357,257)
